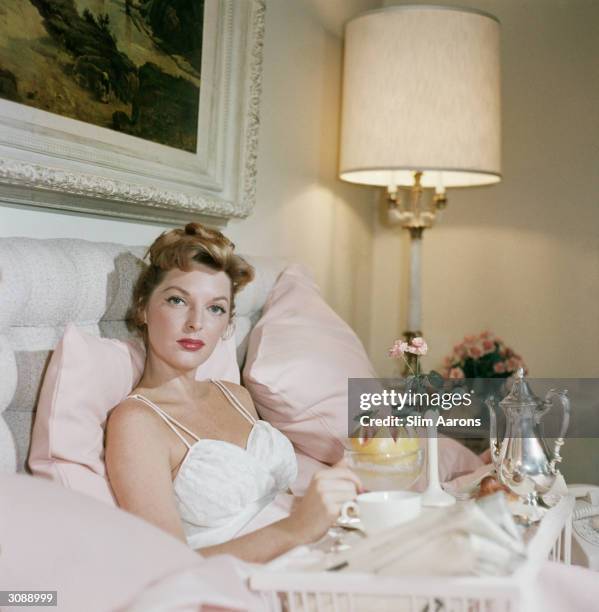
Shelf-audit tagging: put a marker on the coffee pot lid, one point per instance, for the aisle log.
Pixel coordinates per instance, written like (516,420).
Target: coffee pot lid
(520,393)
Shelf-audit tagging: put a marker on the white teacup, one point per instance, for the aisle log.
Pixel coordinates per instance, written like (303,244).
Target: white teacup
(378,510)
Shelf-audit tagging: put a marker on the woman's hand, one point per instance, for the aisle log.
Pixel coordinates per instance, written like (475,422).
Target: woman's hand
(309,520)
(319,508)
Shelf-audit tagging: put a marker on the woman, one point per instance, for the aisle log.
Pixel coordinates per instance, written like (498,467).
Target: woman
(192,457)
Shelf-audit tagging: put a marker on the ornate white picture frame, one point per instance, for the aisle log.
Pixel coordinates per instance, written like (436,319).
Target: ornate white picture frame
(51,161)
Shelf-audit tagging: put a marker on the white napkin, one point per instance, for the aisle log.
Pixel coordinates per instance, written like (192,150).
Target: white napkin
(466,539)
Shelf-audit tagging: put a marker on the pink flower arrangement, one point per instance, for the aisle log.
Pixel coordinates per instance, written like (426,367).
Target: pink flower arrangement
(482,356)
(417,346)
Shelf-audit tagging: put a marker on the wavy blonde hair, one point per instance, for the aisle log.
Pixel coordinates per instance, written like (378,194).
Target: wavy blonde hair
(181,248)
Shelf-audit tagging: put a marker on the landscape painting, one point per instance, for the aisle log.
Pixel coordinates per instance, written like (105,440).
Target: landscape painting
(136,109)
(128,65)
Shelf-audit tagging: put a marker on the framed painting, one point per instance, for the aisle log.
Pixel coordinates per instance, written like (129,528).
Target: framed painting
(140,109)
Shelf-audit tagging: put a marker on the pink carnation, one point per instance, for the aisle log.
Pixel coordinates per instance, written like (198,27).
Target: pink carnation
(456,373)
(488,346)
(499,367)
(474,352)
(418,346)
(460,350)
(398,349)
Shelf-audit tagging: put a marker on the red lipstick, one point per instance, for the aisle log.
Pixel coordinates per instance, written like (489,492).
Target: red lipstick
(190,345)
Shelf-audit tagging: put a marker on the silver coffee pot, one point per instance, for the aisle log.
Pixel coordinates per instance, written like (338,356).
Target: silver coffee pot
(522,459)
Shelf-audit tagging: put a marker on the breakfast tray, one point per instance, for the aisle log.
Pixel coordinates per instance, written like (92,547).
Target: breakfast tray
(286,589)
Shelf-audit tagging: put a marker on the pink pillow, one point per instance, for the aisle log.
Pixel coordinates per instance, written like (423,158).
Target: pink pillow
(100,558)
(300,355)
(88,376)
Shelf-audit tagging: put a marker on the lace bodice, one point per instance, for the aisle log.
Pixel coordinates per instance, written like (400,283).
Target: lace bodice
(220,486)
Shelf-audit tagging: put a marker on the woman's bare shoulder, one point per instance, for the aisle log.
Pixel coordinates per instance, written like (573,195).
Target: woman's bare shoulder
(242,394)
(132,414)
(134,437)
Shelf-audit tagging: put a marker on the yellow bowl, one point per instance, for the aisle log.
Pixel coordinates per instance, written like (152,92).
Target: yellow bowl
(381,471)
(385,445)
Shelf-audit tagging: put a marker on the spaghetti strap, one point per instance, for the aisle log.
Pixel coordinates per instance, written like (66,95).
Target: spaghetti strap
(236,403)
(166,418)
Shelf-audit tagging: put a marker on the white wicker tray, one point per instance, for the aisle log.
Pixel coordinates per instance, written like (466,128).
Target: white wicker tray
(295,590)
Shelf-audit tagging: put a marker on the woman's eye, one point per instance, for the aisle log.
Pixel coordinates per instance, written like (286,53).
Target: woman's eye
(217,309)
(174,299)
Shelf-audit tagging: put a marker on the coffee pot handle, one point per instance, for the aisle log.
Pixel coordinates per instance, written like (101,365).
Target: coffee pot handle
(565,403)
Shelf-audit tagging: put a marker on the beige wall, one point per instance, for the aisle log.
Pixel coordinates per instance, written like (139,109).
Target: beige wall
(303,211)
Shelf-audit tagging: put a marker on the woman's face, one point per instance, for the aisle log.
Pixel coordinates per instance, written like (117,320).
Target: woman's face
(187,314)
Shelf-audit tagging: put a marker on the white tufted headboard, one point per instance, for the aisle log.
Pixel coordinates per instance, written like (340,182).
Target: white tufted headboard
(45,284)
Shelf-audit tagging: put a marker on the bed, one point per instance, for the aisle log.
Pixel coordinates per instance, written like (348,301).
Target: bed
(97,557)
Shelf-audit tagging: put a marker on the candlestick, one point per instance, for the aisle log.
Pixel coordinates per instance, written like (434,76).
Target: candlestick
(434,495)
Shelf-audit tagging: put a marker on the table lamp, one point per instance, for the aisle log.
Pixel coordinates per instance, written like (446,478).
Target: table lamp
(421,109)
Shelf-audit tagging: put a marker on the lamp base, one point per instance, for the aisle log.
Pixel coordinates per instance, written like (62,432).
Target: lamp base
(434,495)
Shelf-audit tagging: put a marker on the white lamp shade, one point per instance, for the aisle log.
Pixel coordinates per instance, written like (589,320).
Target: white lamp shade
(421,91)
